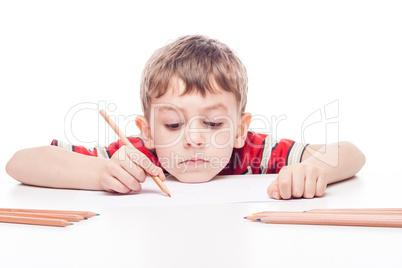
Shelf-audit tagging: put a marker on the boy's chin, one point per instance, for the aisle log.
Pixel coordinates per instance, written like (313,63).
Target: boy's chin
(193,177)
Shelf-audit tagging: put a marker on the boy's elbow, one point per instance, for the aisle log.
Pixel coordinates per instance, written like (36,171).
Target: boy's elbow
(354,154)
(11,166)
(15,166)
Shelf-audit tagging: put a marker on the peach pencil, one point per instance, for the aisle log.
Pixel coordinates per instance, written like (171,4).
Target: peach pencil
(260,215)
(86,214)
(156,179)
(366,211)
(67,217)
(331,219)
(373,211)
(35,221)
(376,211)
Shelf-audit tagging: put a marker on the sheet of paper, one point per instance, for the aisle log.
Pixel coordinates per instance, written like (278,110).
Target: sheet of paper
(220,190)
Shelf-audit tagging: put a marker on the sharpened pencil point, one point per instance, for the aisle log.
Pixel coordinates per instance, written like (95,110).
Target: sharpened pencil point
(71,223)
(169,195)
(245,217)
(255,213)
(97,214)
(258,219)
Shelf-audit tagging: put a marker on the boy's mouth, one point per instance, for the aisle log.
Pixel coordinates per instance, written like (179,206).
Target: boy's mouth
(193,161)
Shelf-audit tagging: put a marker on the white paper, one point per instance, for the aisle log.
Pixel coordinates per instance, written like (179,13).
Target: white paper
(220,190)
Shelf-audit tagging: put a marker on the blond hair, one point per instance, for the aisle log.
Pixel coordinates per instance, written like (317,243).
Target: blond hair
(198,61)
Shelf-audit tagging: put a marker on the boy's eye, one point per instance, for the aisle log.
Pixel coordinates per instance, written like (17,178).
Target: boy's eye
(178,125)
(212,124)
(174,126)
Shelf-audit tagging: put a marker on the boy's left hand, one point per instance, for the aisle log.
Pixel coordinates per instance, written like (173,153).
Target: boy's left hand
(298,180)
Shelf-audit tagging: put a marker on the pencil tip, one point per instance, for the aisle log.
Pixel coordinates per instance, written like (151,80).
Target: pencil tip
(97,214)
(258,219)
(245,217)
(169,195)
(71,223)
(255,213)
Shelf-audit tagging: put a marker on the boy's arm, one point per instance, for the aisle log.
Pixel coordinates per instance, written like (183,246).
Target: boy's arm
(321,165)
(52,166)
(55,167)
(339,160)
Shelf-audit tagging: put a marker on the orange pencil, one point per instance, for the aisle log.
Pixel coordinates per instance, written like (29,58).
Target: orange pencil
(86,214)
(330,219)
(67,217)
(156,179)
(35,221)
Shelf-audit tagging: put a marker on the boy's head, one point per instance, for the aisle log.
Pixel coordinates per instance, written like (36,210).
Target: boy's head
(194,94)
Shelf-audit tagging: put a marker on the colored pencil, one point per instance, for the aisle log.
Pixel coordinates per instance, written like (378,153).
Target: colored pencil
(351,217)
(370,211)
(376,211)
(333,219)
(35,221)
(122,137)
(67,217)
(86,214)
(263,214)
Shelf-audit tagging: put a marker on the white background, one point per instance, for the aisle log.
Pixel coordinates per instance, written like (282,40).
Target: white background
(300,57)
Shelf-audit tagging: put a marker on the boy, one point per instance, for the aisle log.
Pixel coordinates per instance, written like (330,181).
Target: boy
(194,94)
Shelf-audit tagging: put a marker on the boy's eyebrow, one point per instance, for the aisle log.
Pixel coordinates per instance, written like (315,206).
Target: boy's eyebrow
(216,106)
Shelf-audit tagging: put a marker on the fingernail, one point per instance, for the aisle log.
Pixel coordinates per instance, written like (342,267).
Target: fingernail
(154,172)
(275,195)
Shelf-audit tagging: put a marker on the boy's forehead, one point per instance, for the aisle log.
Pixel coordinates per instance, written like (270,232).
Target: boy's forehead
(172,107)
(194,102)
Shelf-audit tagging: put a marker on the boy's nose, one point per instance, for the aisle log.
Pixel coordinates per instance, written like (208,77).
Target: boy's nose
(194,137)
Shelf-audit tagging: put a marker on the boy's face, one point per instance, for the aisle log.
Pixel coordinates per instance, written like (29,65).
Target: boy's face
(193,135)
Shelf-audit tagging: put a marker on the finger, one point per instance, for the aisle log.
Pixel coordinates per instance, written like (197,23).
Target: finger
(285,183)
(273,190)
(161,175)
(112,184)
(298,181)
(126,178)
(310,187)
(142,161)
(321,184)
(135,171)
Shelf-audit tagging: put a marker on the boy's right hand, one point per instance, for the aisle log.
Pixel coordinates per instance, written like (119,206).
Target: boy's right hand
(127,168)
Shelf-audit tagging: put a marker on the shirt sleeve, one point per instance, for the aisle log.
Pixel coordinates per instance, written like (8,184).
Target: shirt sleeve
(276,155)
(262,154)
(103,151)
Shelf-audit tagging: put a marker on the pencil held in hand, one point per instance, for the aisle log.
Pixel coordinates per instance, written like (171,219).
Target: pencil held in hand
(122,137)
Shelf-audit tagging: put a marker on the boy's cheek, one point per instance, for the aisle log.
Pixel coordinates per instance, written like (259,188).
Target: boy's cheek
(165,138)
(221,139)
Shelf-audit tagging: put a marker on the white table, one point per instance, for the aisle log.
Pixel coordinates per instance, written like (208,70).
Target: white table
(202,235)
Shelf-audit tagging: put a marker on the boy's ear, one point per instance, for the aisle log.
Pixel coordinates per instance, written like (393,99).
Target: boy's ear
(143,125)
(242,130)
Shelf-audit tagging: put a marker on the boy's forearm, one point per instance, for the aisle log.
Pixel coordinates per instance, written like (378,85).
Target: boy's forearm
(51,166)
(340,160)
